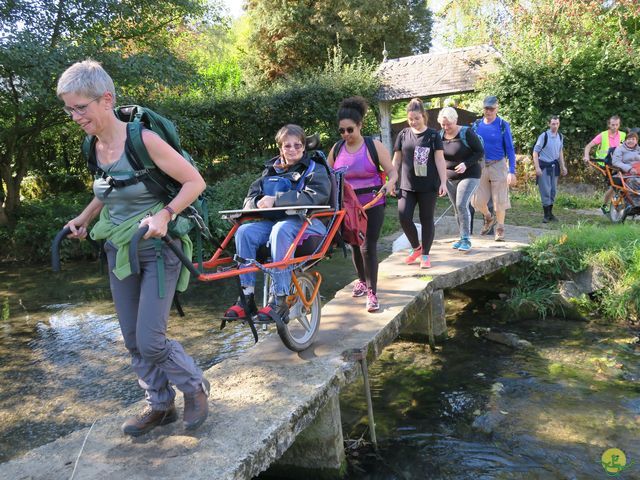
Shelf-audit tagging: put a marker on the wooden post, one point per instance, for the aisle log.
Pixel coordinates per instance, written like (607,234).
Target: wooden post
(385,124)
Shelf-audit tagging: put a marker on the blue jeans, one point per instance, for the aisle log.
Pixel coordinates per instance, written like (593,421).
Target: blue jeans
(278,236)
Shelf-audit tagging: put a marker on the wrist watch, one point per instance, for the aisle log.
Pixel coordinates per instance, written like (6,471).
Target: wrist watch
(171,212)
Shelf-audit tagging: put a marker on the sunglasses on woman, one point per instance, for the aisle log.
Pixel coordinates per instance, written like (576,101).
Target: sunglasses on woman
(347,130)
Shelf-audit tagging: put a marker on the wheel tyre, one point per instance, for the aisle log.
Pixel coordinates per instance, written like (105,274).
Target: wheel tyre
(301,329)
(616,210)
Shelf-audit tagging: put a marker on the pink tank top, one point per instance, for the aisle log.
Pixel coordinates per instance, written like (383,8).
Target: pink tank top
(361,173)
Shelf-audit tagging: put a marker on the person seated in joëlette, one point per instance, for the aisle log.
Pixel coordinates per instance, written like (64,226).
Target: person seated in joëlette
(626,157)
(290,179)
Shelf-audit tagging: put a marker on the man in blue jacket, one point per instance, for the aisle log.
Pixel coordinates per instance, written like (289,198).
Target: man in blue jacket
(499,171)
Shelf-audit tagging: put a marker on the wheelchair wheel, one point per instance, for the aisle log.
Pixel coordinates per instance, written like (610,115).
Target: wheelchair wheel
(616,208)
(304,322)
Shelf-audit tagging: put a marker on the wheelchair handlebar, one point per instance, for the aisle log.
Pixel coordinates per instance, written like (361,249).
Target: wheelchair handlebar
(55,248)
(381,193)
(134,260)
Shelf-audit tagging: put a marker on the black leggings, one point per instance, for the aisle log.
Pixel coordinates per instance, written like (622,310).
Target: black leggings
(426,201)
(365,258)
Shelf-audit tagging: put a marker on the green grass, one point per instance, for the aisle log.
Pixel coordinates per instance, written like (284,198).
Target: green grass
(614,252)
(570,208)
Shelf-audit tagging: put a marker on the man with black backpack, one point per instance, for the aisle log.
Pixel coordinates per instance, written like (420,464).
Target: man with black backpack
(548,159)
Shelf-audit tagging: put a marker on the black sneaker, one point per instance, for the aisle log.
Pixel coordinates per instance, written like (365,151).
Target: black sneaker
(276,309)
(149,419)
(604,209)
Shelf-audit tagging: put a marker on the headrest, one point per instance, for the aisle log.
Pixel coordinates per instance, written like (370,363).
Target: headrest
(312,142)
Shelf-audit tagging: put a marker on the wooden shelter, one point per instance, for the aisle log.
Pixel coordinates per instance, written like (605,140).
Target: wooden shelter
(437,74)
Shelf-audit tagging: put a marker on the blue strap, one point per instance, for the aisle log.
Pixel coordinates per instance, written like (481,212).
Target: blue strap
(306,173)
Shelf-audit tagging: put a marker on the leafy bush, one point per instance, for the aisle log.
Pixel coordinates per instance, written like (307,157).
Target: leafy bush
(227,194)
(614,251)
(222,132)
(29,239)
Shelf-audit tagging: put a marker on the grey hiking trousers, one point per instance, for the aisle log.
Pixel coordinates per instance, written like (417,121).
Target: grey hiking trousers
(143,315)
(548,185)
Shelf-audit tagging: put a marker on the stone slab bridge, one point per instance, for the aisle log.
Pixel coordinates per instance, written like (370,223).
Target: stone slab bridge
(271,408)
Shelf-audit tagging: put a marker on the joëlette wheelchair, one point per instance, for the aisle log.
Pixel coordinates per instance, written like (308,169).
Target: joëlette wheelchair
(622,203)
(300,329)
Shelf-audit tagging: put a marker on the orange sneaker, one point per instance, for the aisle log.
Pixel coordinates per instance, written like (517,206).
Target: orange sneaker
(425,261)
(414,253)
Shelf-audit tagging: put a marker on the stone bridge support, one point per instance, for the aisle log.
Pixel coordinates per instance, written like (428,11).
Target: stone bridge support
(427,320)
(318,452)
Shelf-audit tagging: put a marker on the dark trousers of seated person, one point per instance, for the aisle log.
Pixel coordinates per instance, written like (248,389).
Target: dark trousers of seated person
(365,258)
(426,202)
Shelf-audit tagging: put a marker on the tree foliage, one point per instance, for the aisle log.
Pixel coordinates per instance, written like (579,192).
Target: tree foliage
(288,36)
(234,127)
(574,59)
(40,38)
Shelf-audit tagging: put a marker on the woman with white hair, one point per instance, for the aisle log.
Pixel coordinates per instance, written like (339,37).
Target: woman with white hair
(463,152)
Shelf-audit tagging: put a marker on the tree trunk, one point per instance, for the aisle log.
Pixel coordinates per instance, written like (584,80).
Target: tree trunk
(11,179)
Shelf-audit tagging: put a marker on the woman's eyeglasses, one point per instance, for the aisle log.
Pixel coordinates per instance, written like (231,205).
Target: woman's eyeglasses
(295,146)
(348,130)
(79,109)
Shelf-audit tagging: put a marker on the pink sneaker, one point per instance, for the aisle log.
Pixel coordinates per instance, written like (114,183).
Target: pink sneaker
(372,302)
(414,253)
(425,262)
(359,289)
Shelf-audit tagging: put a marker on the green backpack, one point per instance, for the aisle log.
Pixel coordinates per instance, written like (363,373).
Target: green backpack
(161,185)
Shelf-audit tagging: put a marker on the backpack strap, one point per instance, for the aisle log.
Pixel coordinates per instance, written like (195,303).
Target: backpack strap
(89,153)
(546,139)
(503,130)
(134,144)
(306,173)
(336,148)
(371,148)
(463,135)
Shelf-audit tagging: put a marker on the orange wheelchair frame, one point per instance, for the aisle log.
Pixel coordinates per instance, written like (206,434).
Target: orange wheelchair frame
(622,205)
(300,329)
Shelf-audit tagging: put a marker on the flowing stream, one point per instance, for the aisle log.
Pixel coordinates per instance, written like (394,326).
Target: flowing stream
(62,359)
(482,410)
(473,409)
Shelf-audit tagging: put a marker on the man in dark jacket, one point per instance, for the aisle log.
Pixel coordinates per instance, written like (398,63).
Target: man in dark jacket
(291,179)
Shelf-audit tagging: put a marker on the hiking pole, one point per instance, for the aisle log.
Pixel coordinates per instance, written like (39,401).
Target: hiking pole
(443,214)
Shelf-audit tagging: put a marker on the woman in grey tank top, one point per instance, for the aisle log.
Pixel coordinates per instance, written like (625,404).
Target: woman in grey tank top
(89,98)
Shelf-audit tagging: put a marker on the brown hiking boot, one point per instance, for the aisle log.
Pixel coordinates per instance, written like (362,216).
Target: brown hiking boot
(499,233)
(196,406)
(489,223)
(149,419)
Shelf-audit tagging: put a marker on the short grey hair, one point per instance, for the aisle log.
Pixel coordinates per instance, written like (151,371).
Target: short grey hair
(449,113)
(86,78)
(293,130)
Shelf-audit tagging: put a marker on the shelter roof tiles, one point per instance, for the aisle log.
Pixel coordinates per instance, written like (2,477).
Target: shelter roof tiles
(435,74)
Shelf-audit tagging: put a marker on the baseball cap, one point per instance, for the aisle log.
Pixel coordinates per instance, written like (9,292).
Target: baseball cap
(490,101)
